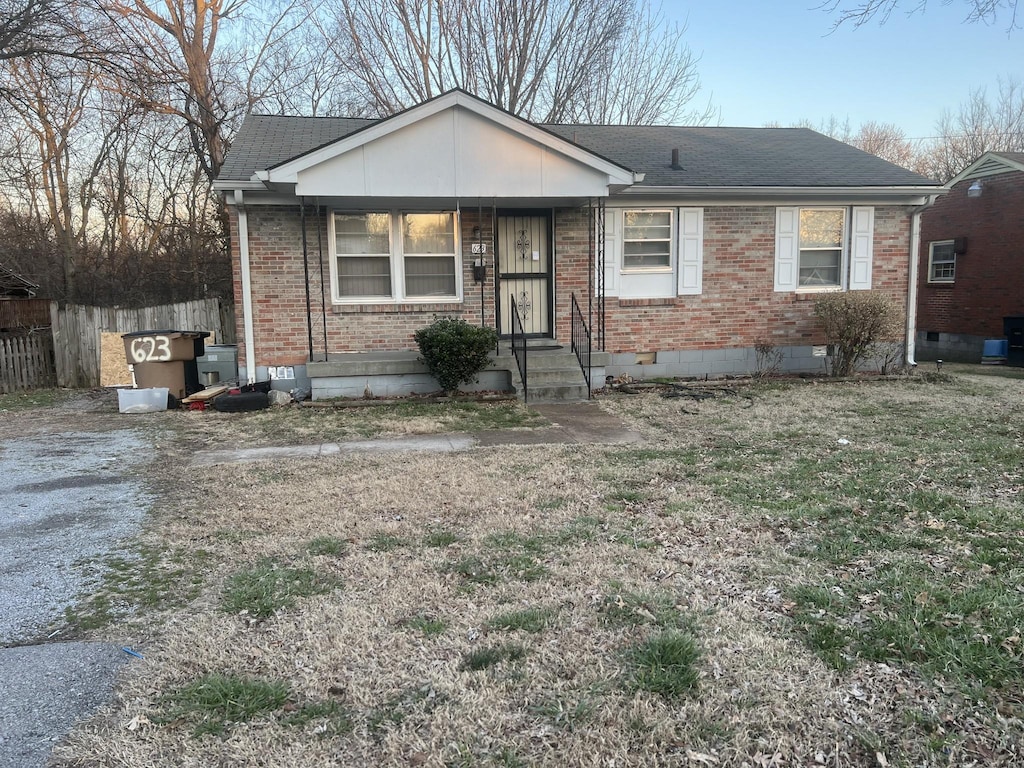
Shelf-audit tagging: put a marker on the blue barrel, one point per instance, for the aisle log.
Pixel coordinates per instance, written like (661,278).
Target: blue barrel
(995,348)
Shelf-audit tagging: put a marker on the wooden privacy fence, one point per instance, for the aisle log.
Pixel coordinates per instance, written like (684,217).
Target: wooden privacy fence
(26,361)
(20,315)
(77,332)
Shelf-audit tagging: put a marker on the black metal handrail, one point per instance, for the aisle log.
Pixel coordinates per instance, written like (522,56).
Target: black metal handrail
(518,342)
(581,341)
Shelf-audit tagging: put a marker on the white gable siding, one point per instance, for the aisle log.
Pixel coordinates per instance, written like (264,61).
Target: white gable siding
(453,153)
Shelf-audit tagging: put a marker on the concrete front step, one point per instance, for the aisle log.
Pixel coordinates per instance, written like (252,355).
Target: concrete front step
(563,393)
(552,376)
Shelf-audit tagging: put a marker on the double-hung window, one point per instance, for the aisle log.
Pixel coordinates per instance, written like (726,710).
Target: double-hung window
(428,244)
(646,240)
(395,256)
(653,253)
(363,246)
(823,248)
(941,262)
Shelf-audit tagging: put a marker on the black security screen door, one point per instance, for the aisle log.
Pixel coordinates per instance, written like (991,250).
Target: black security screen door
(524,271)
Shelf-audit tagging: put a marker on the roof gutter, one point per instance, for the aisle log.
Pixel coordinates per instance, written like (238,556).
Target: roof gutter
(915,247)
(905,195)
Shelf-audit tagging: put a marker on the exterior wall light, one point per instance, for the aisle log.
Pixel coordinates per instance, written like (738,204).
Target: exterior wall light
(975,189)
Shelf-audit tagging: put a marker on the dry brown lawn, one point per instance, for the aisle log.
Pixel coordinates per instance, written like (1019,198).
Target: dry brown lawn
(426,557)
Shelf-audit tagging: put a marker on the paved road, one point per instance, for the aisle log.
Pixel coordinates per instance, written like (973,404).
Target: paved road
(68,498)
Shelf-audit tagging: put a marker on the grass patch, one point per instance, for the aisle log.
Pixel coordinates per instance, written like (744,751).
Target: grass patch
(35,398)
(511,541)
(506,555)
(327,718)
(150,578)
(666,664)
(214,702)
(428,626)
(485,658)
(528,620)
(966,631)
(625,608)
(441,538)
(269,587)
(409,701)
(473,570)
(564,713)
(327,545)
(384,542)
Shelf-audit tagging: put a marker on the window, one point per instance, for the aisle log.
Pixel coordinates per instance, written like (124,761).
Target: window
(363,246)
(654,253)
(646,240)
(941,262)
(821,246)
(821,249)
(395,256)
(428,241)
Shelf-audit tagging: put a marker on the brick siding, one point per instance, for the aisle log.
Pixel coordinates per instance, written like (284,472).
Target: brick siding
(737,309)
(989,277)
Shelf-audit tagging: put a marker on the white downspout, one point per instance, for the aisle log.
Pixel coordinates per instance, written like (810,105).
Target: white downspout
(247,320)
(915,247)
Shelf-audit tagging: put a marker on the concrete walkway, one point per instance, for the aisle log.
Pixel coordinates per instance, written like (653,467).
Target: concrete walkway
(581,423)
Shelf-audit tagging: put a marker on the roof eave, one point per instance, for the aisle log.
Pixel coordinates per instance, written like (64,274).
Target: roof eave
(228,185)
(909,195)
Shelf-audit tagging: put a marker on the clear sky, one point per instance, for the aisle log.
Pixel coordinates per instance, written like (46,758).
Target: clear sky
(779,61)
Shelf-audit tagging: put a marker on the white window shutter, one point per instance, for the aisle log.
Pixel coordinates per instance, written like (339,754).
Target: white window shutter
(862,248)
(787,248)
(612,250)
(691,250)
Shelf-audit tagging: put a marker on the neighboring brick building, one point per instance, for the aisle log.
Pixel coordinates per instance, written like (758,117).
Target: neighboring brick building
(971,274)
(686,248)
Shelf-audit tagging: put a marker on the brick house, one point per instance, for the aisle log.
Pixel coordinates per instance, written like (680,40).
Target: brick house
(683,249)
(971,273)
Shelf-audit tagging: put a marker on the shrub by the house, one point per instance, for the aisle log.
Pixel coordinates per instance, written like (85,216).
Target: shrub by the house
(454,351)
(854,323)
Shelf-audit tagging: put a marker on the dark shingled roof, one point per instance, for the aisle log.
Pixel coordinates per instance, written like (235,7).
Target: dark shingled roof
(1017,157)
(708,157)
(738,157)
(266,140)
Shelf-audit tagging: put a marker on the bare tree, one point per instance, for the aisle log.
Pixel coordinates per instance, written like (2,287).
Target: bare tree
(649,77)
(860,12)
(173,48)
(39,27)
(48,99)
(981,124)
(885,140)
(545,60)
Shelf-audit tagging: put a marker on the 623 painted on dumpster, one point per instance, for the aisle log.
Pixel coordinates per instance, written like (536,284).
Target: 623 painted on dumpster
(150,349)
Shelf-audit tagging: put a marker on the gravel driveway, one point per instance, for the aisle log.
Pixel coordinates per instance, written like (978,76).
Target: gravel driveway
(70,495)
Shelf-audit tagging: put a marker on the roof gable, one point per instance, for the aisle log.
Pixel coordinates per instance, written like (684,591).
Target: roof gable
(991,164)
(456,146)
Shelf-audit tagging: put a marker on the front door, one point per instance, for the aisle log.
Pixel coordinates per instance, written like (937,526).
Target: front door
(524,271)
